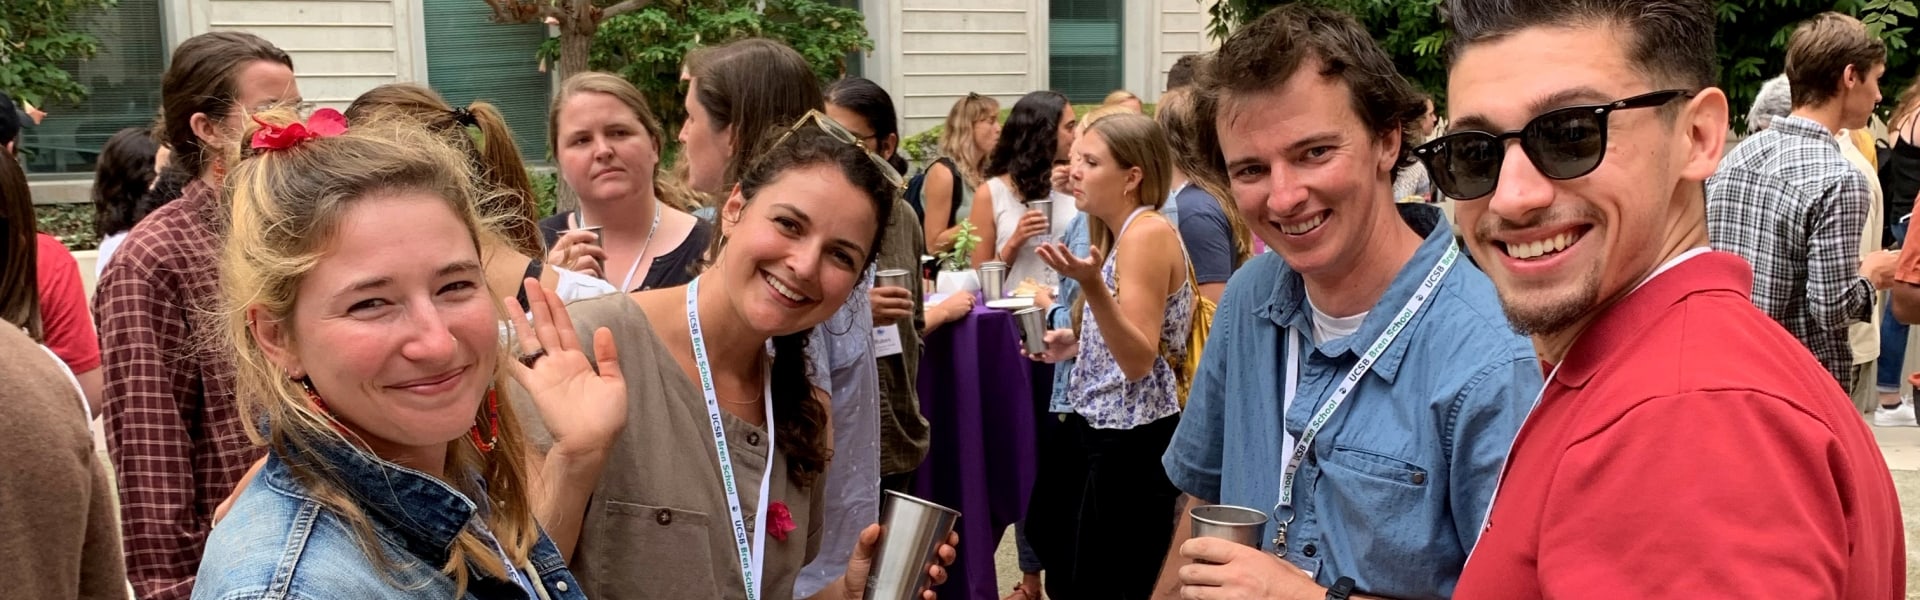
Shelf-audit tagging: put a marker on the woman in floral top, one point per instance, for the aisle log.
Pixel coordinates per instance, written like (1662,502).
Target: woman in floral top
(1103,506)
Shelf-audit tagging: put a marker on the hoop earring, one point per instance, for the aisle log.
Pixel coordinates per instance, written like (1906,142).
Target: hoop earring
(491,417)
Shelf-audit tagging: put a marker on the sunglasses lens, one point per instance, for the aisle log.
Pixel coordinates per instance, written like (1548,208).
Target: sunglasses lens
(1566,144)
(1465,165)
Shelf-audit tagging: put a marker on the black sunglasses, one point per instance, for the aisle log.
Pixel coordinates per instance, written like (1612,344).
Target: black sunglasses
(1563,143)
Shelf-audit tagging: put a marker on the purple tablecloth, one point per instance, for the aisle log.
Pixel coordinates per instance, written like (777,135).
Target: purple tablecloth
(975,391)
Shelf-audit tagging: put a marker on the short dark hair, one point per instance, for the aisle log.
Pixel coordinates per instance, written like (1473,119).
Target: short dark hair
(9,120)
(1820,51)
(1267,52)
(1672,41)
(1180,75)
(871,102)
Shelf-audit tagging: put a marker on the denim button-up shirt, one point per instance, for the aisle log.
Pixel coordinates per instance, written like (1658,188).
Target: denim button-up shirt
(278,542)
(1398,481)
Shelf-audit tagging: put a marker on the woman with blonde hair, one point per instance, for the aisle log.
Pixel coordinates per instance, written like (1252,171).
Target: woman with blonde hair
(627,230)
(966,141)
(1100,505)
(481,132)
(1125,99)
(370,363)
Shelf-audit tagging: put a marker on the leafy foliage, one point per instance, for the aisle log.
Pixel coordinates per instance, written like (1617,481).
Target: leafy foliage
(648,46)
(72,223)
(1753,36)
(35,37)
(964,241)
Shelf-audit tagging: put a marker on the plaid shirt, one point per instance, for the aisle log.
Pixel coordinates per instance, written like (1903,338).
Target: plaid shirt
(173,429)
(1788,202)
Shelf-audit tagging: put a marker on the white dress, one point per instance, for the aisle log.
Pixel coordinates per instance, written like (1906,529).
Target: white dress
(1008,208)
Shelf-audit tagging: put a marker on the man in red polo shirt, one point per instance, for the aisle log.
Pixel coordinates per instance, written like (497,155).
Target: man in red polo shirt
(1685,445)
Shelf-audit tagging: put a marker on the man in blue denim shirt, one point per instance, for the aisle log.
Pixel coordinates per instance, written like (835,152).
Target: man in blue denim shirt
(1390,495)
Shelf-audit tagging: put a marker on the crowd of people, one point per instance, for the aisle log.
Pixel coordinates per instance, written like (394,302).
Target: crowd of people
(343,354)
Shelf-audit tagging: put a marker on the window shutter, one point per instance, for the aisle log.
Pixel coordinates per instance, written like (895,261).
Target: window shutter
(123,81)
(1084,38)
(470,57)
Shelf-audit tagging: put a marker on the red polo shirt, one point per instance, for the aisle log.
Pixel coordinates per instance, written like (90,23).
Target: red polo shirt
(1688,446)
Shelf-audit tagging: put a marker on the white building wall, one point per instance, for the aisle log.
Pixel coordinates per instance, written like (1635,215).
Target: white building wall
(340,48)
(947,48)
(1180,29)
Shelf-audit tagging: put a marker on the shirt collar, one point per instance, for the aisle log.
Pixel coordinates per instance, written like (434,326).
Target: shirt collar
(1803,127)
(421,512)
(1706,272)
(1287,307)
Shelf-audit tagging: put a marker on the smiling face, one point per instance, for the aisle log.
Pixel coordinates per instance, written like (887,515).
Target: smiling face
(1589,240)
(1100,183)
(604,151)
(394,326)
(795,252)
(1310,178)
(704,144)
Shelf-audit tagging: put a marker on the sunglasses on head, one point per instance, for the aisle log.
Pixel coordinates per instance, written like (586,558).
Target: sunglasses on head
(1563,143)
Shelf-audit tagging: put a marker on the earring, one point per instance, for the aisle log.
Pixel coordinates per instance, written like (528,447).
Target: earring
(492,419)
(306,385)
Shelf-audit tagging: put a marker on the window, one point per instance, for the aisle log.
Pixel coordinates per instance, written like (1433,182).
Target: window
(123,81)
(1084,48)
(470,57)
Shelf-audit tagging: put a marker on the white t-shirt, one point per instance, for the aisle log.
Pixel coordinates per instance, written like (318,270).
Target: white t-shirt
(1008,209)
(1327,328)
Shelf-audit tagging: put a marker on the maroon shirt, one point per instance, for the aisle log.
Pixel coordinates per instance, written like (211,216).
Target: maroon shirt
(173,430)
(1687,447)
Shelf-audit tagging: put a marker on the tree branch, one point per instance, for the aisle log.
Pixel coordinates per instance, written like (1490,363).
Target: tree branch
(626,6)
(523,11)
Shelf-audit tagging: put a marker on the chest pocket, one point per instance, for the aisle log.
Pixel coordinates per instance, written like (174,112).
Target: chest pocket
(654,552)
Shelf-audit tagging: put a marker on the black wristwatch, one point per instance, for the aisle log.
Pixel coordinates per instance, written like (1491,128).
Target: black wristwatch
(1342,588)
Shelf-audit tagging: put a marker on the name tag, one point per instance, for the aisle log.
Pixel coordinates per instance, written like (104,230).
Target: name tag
(886,341)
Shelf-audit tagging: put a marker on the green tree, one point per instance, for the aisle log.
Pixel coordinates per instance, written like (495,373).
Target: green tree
(648,46)
(1752,45)
(35,36)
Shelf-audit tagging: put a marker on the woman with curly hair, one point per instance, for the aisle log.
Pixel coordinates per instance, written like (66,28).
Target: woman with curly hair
(1034,141)
(971,131)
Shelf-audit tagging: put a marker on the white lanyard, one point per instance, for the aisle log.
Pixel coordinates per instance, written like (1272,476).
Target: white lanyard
(750,551)
(1283,510)
(626,285)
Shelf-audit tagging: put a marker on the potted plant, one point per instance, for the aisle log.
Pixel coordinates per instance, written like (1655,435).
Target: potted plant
(956,265)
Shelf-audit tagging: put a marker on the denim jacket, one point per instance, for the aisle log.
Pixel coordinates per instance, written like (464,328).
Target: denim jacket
(277,542)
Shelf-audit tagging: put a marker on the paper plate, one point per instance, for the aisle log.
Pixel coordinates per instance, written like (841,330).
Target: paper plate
(1010,303)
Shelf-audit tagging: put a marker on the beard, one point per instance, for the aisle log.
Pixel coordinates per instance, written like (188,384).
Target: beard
(1550,311)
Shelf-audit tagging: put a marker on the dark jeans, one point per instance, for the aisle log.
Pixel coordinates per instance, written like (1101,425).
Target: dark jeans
(1101,516)
(1893,351)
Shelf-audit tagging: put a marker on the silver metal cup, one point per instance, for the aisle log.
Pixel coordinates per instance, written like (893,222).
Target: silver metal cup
(598,236)
(892,278)
(1033,329)
(1237,524)
(1045,206)
(912,531)
(993,279)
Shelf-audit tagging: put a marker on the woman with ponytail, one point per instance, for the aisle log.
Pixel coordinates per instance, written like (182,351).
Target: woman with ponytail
(480,131)
(727,439)
(371,366)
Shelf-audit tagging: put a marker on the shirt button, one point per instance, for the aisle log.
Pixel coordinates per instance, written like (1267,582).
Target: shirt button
(1309,550)
(753,439)
(664,517)
(1419,478)
(561,585)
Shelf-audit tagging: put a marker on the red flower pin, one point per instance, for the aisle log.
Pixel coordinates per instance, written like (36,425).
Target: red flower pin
(325,122)
(779,521)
